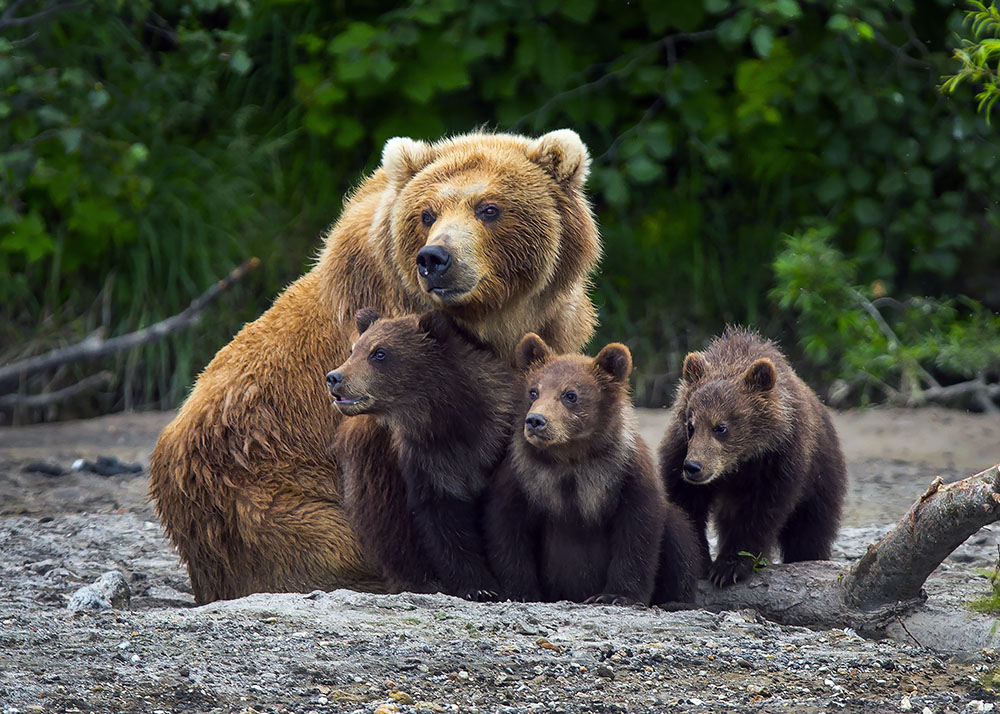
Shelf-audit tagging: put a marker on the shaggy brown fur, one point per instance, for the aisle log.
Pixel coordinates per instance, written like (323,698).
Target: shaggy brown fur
(243,479)
(447,404)
(577,511)
(748,439)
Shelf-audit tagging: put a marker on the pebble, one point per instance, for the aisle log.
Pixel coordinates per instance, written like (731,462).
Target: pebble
(387,708)
(111,590)
(904,704)
(401,697)
(605,671)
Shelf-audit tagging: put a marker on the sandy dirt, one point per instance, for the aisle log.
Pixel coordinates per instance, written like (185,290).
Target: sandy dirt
(345,651)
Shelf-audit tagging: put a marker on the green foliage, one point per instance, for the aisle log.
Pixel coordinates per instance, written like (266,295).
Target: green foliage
(980,57)
(145,150)
(989,604)
(881,347)
(759,561)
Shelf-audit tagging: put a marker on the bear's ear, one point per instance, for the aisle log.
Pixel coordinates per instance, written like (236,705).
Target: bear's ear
(760,376)
(364,318)
(402,158)
(695,368)
(563,154)
(531,351)
(616,360)
(437,325)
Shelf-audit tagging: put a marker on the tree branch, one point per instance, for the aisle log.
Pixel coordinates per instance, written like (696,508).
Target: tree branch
(8,19)
(95,346)
(87,384)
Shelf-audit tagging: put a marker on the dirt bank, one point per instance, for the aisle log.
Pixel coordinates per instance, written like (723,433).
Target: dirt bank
(345,651)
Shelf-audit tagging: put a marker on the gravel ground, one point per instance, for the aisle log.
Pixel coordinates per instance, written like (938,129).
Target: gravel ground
(347,652)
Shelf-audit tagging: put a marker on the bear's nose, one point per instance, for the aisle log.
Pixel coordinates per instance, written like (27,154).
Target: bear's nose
(535,420)
(333,379)
(432,261)
(692,468)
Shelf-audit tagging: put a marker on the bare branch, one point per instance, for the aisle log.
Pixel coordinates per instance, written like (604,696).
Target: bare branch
(96,346)
(8,19)
(974,387)
(87,384)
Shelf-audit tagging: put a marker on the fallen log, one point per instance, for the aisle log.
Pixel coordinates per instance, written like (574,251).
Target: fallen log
(887,582)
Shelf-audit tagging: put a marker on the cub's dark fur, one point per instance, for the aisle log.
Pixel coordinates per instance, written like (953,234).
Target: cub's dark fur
(446,402)
(749,441)
(577,511)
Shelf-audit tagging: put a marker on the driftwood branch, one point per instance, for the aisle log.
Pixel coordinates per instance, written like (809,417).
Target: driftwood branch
(87,384)
(96,346)
(887,582)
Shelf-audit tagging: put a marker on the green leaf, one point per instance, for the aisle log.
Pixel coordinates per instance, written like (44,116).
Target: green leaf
(578,10)
(762,39)
(70,139)
(643,169)
(240,62)
(28,237)
(867,211)
(733,31)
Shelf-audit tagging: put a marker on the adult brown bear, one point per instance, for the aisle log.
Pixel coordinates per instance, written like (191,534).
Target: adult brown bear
(493,228)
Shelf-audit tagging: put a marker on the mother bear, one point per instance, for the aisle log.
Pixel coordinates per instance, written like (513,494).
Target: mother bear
(493,228)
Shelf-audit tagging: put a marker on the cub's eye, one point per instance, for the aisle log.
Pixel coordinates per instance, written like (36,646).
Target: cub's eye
(570,397)
(690,428)
(488,212)
(378,354)
(427,217)
(720,430)
(532,394)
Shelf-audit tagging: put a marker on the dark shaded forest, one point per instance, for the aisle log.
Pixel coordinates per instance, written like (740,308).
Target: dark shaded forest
(789,165)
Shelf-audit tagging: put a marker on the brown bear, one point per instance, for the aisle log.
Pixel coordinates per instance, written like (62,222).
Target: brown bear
(447,404)
(493,228)
(577,511)
(750,441)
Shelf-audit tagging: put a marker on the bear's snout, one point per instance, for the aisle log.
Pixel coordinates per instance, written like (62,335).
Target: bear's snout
(334,379)
(535,422)
(433,262)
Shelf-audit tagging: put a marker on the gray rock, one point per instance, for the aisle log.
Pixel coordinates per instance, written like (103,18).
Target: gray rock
(111,590)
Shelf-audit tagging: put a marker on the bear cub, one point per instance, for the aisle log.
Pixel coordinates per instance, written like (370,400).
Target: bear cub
(749,441)
(577,511)
(446,402)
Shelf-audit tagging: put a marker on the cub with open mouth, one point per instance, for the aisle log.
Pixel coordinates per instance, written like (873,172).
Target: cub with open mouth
(577,511)
(446,401)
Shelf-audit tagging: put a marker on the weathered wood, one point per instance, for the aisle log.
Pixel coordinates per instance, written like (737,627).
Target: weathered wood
(25,401)
(95,346)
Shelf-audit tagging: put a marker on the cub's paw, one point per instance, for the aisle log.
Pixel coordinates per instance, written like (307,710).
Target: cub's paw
(730,569)
(611,599)
(481,596)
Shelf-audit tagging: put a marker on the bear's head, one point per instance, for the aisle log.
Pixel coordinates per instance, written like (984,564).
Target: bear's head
(571,401)
(481,221)
(727,419)
(393,364)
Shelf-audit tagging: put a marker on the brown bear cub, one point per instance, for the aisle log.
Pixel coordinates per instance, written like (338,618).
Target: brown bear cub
(446,402)
(577,511)
(750,441)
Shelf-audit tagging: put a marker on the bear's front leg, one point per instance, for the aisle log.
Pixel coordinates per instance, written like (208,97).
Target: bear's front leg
(747,523)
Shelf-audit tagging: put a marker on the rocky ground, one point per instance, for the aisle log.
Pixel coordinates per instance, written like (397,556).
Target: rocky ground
(345,651)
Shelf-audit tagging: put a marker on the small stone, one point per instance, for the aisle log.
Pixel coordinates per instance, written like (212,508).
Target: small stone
(386,708)
(926,710)
(110,591)
(605,671)
(904,704)
(46,468)
(401,697)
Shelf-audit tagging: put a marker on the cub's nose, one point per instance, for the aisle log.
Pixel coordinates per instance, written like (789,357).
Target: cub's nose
(692,468)
(333,379)
(433,261)
(535,421)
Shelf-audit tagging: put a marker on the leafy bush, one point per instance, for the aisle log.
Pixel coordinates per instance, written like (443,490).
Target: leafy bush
(980,58)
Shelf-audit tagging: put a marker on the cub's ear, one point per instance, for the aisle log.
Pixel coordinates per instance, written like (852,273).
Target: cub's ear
(761,376)
(437,325)
(695,368)
(563,154)
(616,360)
(402,158)
(364,318)
(531,351)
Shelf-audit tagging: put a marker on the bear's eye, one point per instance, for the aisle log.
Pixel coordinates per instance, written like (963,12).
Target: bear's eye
(690,429)
(570,397)
(720,430)
(532,394)
(487,212)
(378,354)
(427,217)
